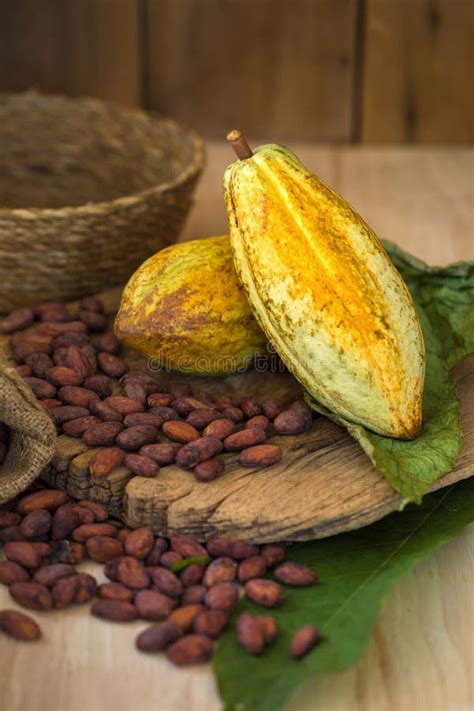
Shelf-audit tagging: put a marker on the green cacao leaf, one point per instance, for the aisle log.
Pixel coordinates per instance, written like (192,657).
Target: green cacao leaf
(356,570)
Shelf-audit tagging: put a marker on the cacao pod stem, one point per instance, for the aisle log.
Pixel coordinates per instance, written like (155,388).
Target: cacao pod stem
(239,144)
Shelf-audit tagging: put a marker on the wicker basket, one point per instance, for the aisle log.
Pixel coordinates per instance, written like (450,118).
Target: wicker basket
(88,190)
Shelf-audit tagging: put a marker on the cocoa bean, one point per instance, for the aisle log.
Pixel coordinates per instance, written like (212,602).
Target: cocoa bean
(108,343)
(159,400)
(190,649)
(60,357)
(210,623)
(114,610)
(250,407)
(160,545)
(135,437)
(33,596)
(185,616)
(180,431)
(106,460)
(250,634)
(259,421)
(167,582)
(233,413)
(223,596)
(61,375)
(91,303)
(263,455)
(132,573)
(19,626)
(48,575)
(186,546)
(123,404)
(202,418)
(110,568)
(134,390)
(139,543)
(70,338)
(103,548)
(166,413)
(36,523)
(17,320)
(243,439)
(100,512)
(221,570)
(220,429)
(143,418)
(163,454)
(76,428)
(268,627)
(9,518)
(74,395)
(169,558)
(94,321)
(153,605)
(50,403)
(141,465)
(253,567)
(56,313)
(224,401)
(24,371)
(114,591)
(41,388)
(12,572)
(79,362)
(111,365)
(24,553)
(273,553)
(193,594)
(264,592)
(103,434)
(39,363)
(100,384)
(64,413)
(87,530)
(303,641)
(270,408)
(11,534)
(230,547)
(210,469)
(158,637)
(295,420)
(192,574)
(65,520)
(123,534)
(105,412)
(86,587)
(66,552)
(291,573)
(203,448)
(186,404)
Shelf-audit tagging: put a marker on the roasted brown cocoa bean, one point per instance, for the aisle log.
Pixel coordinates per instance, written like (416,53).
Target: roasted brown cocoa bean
(233,413)
(41,388)
(180,431)
(76,428)
(273,553)
(94,321)
(238,550)
(132,573)
(221,570)
(167,582)
(159,400)
(100,384)
(250,407)
(106,412)
(143,418)
(160,545)
(190,649)
(61,375)
(17,320)
(259,421)
(78,361)
(186,404)
(210,469)
(66,552)
(123,534)
(186,546)
(123,404)
(64,413)
(114,610)
(303,641)
(106,460)
(12,572)
(185,616)
(134,390)
(9,518)
(60,357)
(70,338)
(153,605)
(243,439)
(48,575)
(50,403)
(202,418)
(268,627)
(295,420)
(203,448)
(270,408)
(36,523)
(33,596)
(49,499)
(65,520)
(291,573)
(75,395)
(162,453)
(253,567)
(223,596)
(139,543)
(86,587)
(108,343)
(103,548)
(135,437)
(192,575)
(87,530)
(103,434)
(158,637)
(263,455)
(114,591)
(111,365)
(210,623)
(264,592)
(19,626)
(141,465)
(169,558)
(166,413)
(250,634)
(24,553)
(110,569)
(193,594)
(100,512)
(220,429)
(39,363)
(24,371)
(11,534)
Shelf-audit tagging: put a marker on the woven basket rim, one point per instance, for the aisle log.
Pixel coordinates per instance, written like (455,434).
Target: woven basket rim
(190,171)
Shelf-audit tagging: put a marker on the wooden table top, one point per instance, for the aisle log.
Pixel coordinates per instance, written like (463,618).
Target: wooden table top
(421,655)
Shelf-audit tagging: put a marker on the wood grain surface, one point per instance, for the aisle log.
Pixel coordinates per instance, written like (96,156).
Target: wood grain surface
(421,654)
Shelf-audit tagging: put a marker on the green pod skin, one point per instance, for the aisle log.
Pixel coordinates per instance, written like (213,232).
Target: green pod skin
(185,309)
(326,293)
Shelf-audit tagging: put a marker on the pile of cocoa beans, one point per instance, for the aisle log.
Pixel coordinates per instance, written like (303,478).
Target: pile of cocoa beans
(187,590)
(71,362)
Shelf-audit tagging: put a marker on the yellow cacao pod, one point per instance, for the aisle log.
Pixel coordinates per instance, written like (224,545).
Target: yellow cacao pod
(185,309)
(326,293)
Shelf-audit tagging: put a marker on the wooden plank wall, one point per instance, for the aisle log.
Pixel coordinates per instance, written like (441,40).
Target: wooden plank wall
(323,70)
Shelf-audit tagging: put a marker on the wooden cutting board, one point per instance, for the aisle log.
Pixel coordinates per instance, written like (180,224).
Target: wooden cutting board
(323,485)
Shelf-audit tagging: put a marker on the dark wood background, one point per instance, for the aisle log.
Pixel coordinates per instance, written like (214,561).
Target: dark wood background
(324,70)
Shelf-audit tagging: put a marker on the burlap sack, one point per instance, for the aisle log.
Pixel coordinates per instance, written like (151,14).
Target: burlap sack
(32,434)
